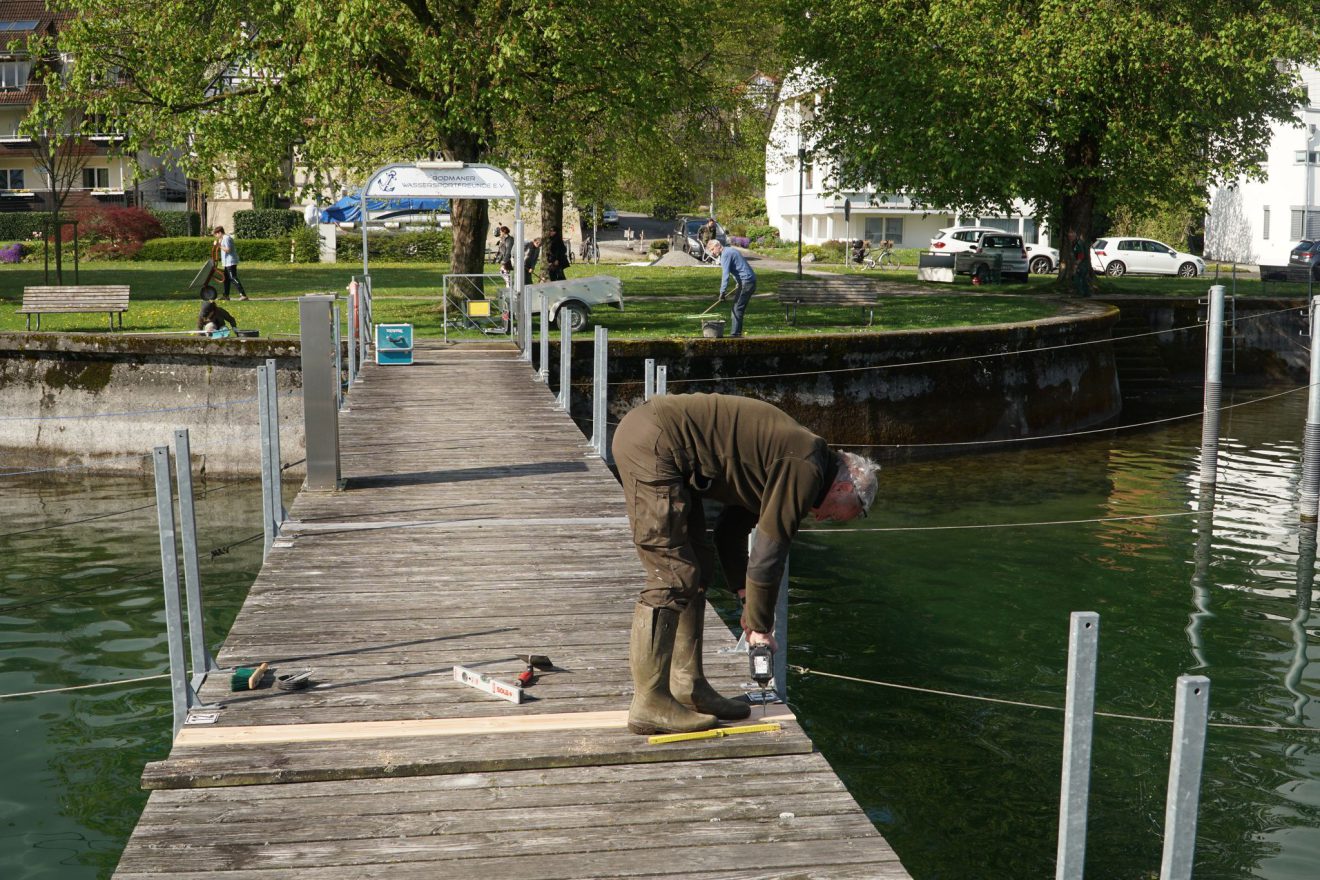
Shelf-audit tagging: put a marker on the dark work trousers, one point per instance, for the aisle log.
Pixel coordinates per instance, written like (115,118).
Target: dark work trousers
(741,297)
(668,523)
(231,276)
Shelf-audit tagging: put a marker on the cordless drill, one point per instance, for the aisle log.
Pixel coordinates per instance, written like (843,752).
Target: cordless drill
(762,669)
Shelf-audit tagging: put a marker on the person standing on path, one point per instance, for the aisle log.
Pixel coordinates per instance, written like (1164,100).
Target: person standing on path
(770,473)
(531,254)
(734,263)
(556,256)
(504,255)
(228,261)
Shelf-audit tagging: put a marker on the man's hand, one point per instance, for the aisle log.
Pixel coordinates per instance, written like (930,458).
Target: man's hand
(759,638)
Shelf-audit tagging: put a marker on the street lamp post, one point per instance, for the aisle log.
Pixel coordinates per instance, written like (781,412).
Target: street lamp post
(802,158)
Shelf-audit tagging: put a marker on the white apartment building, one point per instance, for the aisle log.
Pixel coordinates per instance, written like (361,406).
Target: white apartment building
(872,215)
(1259,221)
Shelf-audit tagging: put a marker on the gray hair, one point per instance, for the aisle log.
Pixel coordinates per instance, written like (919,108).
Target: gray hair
(862,473)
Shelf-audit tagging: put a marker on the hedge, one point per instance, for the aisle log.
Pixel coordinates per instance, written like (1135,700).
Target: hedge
(20,225)
(397,247)
(179,224)
(197,250)
(266,223)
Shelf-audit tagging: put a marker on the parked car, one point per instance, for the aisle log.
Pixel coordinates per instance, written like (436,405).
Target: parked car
(1006,248)
(1142,256)
(1304,258)
(958,238)
(688,237)
(609,218)
(1042,259)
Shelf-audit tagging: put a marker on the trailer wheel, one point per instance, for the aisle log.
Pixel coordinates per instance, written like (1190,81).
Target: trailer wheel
(208,293)
(576,313)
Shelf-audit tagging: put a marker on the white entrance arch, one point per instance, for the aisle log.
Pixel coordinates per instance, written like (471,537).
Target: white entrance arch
(452,180)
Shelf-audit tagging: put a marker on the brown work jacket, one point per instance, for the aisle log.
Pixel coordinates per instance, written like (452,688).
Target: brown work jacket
(750,454)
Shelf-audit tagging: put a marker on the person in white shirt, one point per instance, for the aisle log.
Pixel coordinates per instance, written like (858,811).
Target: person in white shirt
(225,254)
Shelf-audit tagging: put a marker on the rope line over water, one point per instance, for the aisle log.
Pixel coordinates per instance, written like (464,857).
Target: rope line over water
(83,687)
(76,467)
(803,670)
(134,412)
(1013,525)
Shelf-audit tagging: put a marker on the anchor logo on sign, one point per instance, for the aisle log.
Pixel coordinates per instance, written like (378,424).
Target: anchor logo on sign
(388,184)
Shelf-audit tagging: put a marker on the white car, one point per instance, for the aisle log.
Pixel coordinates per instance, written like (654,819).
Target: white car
(1043,259)
(1119,255)
(609,219)
(955,239)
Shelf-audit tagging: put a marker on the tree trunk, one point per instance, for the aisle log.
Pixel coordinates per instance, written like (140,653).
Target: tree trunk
(1077,215)
(552,200)
(59,244)
(470,219)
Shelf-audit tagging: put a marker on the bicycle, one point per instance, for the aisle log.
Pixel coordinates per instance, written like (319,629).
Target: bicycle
(883,258)
(589,252)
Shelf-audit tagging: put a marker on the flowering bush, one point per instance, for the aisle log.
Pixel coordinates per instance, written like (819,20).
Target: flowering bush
(14,253)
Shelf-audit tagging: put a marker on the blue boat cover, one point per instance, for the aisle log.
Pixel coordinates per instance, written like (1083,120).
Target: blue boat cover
(346,210)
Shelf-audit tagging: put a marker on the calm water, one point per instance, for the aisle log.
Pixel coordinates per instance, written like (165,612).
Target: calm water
(962,789)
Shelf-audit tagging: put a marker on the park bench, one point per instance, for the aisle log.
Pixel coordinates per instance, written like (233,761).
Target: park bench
(843,290)
(109,298)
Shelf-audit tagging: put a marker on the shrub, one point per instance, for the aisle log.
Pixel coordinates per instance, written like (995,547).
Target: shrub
(265,223)
(664,212)
(660,246)
(306,245)
(741,241)
(768,235)
(197,250)
(400,247)
(116,233)
(179,224)
(827,252)
(20,225)
(14,253)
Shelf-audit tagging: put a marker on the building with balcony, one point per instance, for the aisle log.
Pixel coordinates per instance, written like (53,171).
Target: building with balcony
(103,174)
(819,204)
(1259,221)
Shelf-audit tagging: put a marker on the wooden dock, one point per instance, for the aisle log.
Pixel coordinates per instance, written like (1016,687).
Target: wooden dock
(475,525)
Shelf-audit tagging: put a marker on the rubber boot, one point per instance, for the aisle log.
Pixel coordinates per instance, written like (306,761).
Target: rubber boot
(650,653)
(687,681)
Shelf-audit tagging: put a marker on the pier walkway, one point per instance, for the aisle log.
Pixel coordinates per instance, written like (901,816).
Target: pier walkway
(475,526)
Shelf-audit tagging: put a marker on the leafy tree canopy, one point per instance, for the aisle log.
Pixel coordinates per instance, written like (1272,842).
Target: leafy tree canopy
(1078,107)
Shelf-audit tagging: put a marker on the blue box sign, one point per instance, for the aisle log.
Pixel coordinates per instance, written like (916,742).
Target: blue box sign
(394,343)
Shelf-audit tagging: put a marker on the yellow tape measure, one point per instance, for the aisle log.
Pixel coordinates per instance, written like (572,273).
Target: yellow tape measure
(714,733)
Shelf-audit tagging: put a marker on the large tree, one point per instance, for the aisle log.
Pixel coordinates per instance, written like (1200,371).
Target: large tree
(1078,107)
(356,83)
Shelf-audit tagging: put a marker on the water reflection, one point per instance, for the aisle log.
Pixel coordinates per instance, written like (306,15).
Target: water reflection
(1205,533)
(1306,542)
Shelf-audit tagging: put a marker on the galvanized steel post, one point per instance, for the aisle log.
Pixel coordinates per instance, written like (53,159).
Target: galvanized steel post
(169,571)
(320,415)
(600,391)
(648,379)
(565,362)
(661,379)
(202,661)
(339,362)
(276,458)
(1078,719)
(1190,717)
(544,372)
(1311,437)
(263,418)
(780,658)
(352,332)
(1214,365)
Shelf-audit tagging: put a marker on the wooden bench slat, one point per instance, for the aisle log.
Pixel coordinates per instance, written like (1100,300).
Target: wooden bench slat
(845,291)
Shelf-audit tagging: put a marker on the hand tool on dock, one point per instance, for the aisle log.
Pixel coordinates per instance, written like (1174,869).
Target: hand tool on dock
(762,669)
(248,678)
(660,739)
(481,682)
(534,662)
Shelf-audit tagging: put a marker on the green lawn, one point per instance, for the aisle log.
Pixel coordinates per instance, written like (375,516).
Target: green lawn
(659,301)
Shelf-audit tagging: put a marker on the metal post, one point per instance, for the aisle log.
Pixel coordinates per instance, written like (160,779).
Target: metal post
(1311,437)
(1078,719)
(339,359)
(780,659)
(661,379)
(648,379)
(352,336)
(544,373)
(276,458)
(169,571)
(263,413)
(1190,716)
(202,661)
(320,416)
(600,391)
(519,295)
(565,363)
(1214,358)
